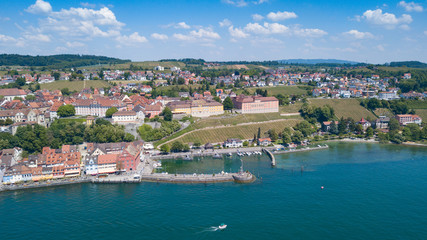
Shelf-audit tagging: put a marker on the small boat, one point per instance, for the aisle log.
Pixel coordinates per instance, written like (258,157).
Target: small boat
(222,226)
(188,157)
(217,155)
(230,154)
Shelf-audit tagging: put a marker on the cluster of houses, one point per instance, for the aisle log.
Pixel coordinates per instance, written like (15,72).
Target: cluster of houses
(69,161)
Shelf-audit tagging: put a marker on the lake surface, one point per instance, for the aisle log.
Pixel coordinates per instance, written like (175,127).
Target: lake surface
(371,191)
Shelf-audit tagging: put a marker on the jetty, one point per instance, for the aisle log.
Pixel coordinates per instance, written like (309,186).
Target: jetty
(245,177)
(273,159)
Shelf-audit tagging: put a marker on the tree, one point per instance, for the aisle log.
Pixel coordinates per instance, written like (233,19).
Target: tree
(109,113)
(393,124)
(30,97)
(342,126)
(20,81)
(286,138)
(369,132)
(56,75)
(18,98)
(66,110)
(167,114)
(177,146)
(272,134)
(65,91)
(165,148)
(259,133)
(228,103)
(197,144)
(297,137)
(333,128)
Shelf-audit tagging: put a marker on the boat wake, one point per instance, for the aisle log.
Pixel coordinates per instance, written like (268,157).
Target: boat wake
(210,229)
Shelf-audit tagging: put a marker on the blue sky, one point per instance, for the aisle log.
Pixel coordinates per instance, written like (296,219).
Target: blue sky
(216,30)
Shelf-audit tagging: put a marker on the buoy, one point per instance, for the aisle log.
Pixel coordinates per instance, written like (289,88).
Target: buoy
(321,187)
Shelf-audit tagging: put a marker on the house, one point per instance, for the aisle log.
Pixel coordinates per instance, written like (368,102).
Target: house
(153,110)
(123,117)
(407,76)
(10,93)
(365,124)
(255,104)
(233,143)
(128,159)
(17,173)
(10,157)
(107,163)
(264,142)
(159,68)
(387,95)
(326,126)
(208,146)
(405,119)
(91,164)
(382,122)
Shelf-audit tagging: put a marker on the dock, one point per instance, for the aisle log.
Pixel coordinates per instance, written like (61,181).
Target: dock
(273,159)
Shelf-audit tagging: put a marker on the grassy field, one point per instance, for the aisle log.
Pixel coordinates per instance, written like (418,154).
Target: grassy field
(236,119)
(345,108)
(243,131)
(74,85)
(383,112)
(291,108)
(285,90)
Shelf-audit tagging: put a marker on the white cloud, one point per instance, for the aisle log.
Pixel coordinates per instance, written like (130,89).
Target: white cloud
(381,48)
(388,20)
(4,19)
(411,6)
(4,38)
(89,5)
(131,39)
(237,3)
(8,40)
(425,32)
(359,35)
(159,36)
(37,37)
(279,16)
(225,23)
(199,35)
(75,44)
(260,2)
(182,25)
(237,32)
(256,17)
(309,32)
(40,7)
(267,28)
(82,22)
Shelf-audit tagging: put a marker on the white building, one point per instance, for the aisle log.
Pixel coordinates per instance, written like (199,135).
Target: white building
(233,143)
(121,117)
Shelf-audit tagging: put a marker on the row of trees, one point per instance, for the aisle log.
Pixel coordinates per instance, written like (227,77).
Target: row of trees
(34,138)
(396,106)
(149,134)
(317,114)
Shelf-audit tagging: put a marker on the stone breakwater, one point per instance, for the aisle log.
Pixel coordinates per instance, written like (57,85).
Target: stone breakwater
(199,178)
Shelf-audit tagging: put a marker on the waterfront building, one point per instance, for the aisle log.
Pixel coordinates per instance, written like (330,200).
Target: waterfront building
(107,163)
(264,142)
(91,165)
(365,124)
(255,104)
(233,143)
(405,119)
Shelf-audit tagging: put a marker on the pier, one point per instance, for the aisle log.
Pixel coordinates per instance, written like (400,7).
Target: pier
(273,159)
(199,178)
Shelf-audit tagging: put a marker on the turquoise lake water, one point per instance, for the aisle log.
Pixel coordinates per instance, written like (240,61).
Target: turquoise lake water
(371,191)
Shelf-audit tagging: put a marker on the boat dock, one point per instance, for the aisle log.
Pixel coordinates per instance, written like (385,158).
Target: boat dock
(273,159)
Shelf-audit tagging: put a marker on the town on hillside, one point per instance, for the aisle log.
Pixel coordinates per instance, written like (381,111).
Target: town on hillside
(96,131)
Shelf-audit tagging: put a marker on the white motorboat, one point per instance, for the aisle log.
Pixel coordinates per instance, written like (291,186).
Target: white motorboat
(222,226)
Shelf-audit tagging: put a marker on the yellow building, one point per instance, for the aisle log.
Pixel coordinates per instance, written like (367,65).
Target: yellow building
(197,108)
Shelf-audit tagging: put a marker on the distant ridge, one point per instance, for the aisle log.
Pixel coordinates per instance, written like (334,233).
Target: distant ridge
(412,64)
(316,61)
(56,61)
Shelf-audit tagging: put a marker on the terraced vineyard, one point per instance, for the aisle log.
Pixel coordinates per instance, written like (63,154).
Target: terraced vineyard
(383,112)
(237,119)
(220,134)
(345,108)
(422,113)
